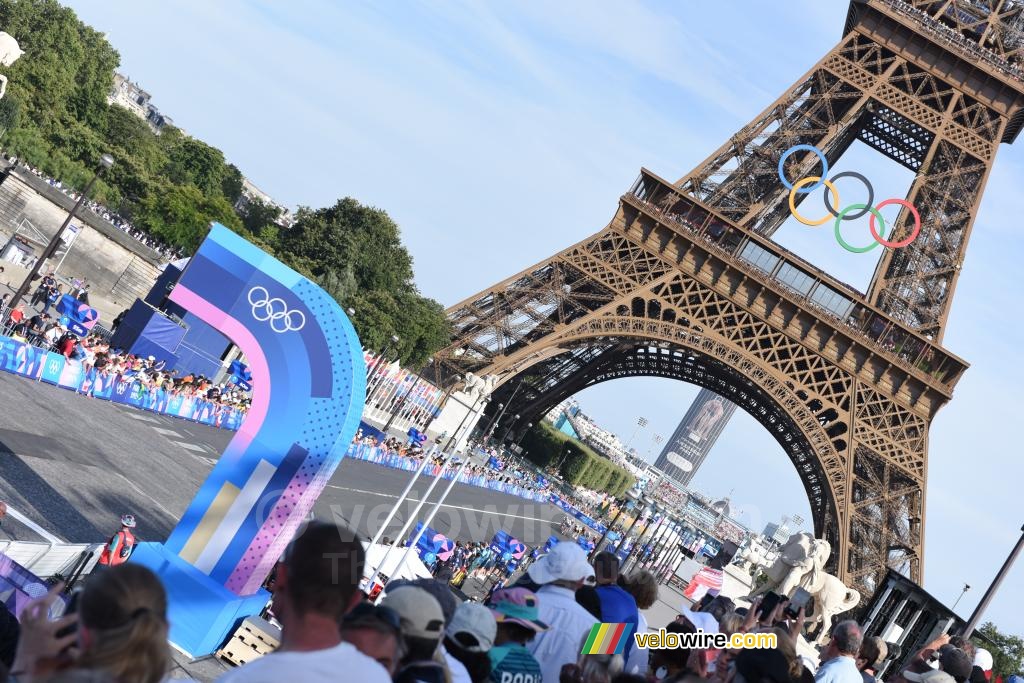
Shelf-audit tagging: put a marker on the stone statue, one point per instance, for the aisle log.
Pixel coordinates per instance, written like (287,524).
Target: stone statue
(755,555)
(477,387)
(795,560)
(801,563)
(9,53)
(831,597)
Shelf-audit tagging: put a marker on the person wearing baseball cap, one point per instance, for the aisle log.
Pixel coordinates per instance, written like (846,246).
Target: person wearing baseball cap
(983,663)
(955,662)
(518,619)
(422,630)
(560,573)
(469,638)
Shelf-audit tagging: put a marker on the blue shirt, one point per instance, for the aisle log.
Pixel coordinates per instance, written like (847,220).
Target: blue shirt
(618,607)
(838,670)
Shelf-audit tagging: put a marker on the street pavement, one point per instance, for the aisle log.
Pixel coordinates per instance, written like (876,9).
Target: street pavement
(74,464)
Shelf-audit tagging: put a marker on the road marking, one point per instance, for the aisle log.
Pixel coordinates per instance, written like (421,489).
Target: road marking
(453,507)
(190,446)
(167,432)
(143,493)
(33,526)
(140,416)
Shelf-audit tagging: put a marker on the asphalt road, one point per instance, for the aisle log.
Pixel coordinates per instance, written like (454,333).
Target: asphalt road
(75,464)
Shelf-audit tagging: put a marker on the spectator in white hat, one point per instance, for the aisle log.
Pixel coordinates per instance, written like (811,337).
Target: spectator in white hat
(560,574)
(422,630)
(469,637)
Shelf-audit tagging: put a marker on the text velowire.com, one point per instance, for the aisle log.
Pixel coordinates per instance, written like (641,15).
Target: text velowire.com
(705,641)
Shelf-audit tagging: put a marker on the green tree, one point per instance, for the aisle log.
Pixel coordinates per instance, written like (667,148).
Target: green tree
(10,112)
(356,253)
(257,216)
(193,161)
(1007,651)
(351,234)
(182,214)
(231,186)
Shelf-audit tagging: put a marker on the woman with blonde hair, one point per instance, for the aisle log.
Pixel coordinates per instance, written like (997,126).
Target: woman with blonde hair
(122,625)
(121,632)
(643,586)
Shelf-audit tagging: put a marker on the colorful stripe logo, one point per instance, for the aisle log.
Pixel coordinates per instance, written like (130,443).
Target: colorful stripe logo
(607,639)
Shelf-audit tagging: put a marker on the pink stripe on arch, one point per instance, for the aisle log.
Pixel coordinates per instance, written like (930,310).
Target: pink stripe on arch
(244,339)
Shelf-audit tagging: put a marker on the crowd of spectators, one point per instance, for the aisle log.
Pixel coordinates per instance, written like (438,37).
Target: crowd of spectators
(530,632)
(112,217)
(494,470)
(95,354)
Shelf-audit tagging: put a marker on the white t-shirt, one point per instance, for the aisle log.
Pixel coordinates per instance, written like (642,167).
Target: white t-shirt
(456,668)
(569,624)
(342,662)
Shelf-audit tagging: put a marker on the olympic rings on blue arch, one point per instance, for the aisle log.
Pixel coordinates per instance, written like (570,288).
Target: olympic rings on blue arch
(807,148)
(849,247)
(845,214)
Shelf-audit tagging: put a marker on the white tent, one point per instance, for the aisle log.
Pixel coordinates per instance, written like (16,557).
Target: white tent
(413,569)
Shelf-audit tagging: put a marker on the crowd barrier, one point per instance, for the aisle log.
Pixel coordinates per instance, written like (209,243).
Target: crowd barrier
(377,455)
(23,359)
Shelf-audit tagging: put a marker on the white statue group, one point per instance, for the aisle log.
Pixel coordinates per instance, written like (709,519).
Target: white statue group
(801,562)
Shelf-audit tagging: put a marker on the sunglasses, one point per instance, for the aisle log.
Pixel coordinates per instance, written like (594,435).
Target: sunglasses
(367,611)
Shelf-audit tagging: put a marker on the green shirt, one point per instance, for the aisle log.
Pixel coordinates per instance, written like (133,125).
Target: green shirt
(513,663)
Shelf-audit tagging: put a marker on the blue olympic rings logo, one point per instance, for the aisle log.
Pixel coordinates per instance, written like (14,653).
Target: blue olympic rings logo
(275,310)
(851,212)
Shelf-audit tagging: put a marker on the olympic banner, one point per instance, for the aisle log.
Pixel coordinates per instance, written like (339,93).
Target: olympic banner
(76,316)
(309,383)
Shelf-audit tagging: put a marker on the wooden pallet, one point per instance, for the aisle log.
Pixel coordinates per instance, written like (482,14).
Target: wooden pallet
(254,638)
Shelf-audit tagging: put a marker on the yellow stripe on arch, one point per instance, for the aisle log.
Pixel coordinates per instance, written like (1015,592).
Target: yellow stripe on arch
(208,524)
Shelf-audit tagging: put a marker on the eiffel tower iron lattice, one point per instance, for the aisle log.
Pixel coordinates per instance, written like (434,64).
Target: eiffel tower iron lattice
(686,282)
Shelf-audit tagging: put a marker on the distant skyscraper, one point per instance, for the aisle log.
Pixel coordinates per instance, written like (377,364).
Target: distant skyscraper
(695,436)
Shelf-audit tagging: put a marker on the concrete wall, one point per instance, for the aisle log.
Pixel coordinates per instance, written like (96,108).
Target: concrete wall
(118,267)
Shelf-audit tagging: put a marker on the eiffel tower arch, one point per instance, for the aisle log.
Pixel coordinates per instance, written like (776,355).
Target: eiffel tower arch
(686,282)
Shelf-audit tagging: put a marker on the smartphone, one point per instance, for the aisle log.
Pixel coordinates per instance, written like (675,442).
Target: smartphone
(800,599)
(768,604)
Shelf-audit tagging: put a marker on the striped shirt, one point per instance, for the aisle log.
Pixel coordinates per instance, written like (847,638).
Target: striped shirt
(513,663)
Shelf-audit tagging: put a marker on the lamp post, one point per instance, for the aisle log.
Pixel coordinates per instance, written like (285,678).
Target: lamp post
(515,418)
(640,424)
(401,403)
(660,544)
(967,587)
(622,540)
(106,161)
(493,422)
(643,539)
(631,497)
(379,367)
(523,435)
(503,406)
(1003,571)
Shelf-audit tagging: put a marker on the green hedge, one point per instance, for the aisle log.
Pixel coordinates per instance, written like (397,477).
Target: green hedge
(545,446)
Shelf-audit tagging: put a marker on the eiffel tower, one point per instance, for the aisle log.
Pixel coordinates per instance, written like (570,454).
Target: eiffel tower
(686,282)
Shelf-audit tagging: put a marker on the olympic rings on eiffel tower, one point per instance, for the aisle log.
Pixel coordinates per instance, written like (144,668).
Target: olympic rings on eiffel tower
(852,211)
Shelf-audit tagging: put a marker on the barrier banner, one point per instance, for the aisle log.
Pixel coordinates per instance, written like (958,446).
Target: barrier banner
(18,585)
(21,358)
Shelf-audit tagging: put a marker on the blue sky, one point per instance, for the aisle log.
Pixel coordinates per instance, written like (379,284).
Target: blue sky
(497,134)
